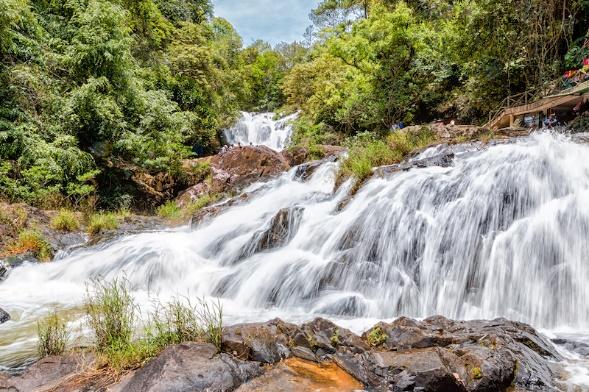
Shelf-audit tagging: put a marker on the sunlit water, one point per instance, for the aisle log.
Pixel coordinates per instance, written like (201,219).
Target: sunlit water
(261,129)
(502,233)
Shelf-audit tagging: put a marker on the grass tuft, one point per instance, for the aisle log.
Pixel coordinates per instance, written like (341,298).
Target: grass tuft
(31,241)
(65,220)
(52,335)
(103,221)
(111,314)
(170,211)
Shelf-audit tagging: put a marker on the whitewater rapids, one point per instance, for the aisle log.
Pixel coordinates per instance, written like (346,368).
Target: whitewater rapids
(503,232)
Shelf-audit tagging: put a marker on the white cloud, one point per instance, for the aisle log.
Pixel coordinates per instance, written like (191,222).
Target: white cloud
(271,20)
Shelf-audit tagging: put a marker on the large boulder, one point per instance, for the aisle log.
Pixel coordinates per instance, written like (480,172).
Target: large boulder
(241,166)
(192,367)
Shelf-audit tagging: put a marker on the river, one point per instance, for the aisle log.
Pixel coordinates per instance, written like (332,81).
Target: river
(502,232)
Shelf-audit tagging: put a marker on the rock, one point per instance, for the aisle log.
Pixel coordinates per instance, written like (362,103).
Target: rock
(4,316)
(3,271)
(48,373)
(192,367)
(304,353)
(281,230)
(486,355)
(299,155)
(295,375)
(242,166)
(262,342)
(192,194)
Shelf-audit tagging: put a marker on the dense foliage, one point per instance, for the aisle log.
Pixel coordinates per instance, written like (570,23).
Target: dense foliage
(91,86)
(376,63)
(87,84)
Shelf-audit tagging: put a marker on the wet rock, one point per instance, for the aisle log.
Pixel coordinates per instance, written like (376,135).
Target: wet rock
(4,316)
(299,155)
(295,375)
(306,170)
(3,271)
(192,367)
(281,230)
(242,166)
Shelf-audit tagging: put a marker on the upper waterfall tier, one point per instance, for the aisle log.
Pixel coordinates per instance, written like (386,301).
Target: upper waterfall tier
(261,130)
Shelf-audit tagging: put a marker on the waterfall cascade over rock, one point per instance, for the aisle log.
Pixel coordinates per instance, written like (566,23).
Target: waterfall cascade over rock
(260,129)
(502,232)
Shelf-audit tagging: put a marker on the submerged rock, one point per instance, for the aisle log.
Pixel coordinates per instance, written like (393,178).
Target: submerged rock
(4,316)
(282,228)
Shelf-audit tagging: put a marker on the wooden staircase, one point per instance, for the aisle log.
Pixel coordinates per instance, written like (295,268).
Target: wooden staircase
(523,104)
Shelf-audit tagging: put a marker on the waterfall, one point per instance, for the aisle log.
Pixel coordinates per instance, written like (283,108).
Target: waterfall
(261,130)
(503,232)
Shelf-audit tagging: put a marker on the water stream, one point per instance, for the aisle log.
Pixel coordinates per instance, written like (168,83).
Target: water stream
(501,233)
(260,129)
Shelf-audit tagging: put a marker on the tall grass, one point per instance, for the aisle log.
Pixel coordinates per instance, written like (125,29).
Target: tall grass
(65,220)
(52,335)
(112,316)
(101,222)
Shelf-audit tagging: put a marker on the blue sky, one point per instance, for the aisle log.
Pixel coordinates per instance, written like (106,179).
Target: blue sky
(271,20)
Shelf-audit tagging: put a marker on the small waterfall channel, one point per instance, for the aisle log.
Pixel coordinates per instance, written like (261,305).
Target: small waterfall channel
(502,232)
(261,129)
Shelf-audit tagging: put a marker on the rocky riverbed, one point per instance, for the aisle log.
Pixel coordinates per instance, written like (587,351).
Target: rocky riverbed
(435,354)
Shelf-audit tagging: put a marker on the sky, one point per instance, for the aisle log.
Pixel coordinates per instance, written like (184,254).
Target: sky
(273,21)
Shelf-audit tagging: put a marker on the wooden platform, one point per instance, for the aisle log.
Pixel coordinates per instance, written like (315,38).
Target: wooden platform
(563,101)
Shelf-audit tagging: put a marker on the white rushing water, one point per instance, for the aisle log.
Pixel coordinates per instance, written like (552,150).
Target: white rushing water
(261,129)
(503,232)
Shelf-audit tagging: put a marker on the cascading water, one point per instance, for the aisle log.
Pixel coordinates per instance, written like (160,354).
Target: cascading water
(261,130)
(502,232)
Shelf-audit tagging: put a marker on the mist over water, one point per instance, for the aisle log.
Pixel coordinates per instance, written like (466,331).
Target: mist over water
(261,129)
(501,233)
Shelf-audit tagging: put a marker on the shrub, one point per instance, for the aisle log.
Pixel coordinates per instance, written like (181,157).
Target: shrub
(32,241)
(65,220)
(365,151)
(376,337)
(200,203)
(170,211)
(53,336)
(111,315)
(103,221)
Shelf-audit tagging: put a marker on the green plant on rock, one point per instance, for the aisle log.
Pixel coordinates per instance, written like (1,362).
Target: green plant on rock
(476,373)
(53,336)
(376,336)
(170,211)
(101,222)
(335,338)
(65,220)
(30,240)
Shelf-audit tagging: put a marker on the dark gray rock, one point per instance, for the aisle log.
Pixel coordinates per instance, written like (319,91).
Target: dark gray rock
(4,316)
(3,271)
(192,367)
